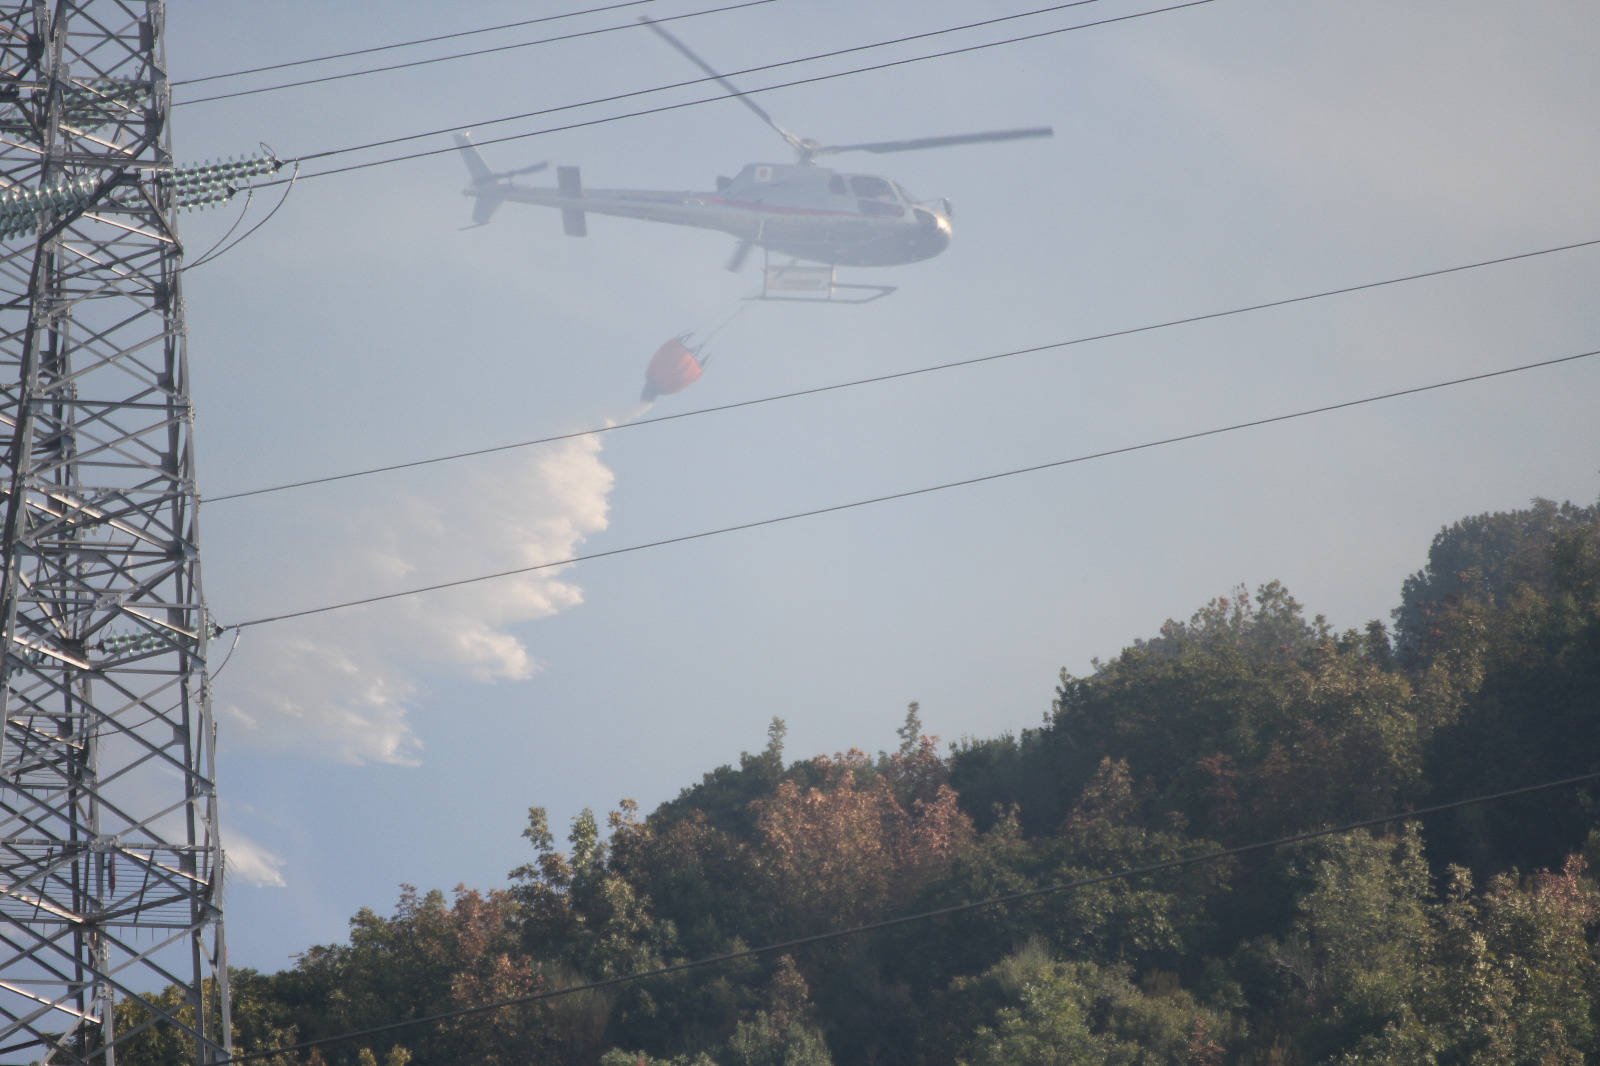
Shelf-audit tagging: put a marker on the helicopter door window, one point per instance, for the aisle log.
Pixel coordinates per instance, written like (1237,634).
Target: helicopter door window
(763,174)
(836,185)
(871,188)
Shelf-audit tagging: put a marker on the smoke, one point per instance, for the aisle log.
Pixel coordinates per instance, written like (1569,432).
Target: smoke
(341,685)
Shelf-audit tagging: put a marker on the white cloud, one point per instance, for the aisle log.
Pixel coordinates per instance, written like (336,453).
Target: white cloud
(339,685)
(251,863)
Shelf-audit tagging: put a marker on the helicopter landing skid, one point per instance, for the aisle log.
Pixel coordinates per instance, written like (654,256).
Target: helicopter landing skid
(796,282)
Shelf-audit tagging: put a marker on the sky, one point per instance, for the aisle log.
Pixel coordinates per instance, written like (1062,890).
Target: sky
(1227,154)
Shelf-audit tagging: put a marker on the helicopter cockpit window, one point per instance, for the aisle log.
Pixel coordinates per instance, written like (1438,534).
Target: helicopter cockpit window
(836,185)
(872,188)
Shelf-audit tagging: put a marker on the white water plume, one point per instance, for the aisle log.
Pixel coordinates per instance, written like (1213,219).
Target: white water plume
(251,863)
(632,414)
(341,685)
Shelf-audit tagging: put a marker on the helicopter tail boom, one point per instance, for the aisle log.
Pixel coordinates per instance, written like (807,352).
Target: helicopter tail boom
(570,186)
(483,182)
(481,174)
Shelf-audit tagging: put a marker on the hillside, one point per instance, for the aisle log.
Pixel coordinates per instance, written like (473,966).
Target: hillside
(1468,937)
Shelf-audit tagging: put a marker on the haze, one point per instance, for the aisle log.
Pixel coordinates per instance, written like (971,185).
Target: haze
(1232,153)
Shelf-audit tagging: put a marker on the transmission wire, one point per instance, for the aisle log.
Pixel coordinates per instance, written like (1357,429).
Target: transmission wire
(905,494)
(466,55)
(244,209)
(217,250)
(920,916)
(407,44)
(897,374)
(703,100)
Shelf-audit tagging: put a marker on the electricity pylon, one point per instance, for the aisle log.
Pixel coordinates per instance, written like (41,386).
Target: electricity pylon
(110,869)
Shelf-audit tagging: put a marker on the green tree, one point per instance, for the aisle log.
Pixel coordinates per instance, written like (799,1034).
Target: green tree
(725,796)
(1484,557)
(261,1022)
(1521,978)
(1359,957)
(579,911)
(1245,721)
(1521,664)
(427,958)
(1076,1014)
(1248,719)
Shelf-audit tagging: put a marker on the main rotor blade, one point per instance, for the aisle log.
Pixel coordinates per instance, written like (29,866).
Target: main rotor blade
(936,142)
(733,90)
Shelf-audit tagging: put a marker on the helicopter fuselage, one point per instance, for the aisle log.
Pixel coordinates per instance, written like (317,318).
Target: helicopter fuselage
(799,210)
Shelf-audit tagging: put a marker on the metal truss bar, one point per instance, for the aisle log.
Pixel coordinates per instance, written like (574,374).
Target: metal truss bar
(109,853)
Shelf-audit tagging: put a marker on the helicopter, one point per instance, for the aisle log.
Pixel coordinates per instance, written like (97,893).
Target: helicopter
(800,210)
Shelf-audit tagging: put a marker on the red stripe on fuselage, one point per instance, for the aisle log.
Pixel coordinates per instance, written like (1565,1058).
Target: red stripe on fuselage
(779,210)
(751,205)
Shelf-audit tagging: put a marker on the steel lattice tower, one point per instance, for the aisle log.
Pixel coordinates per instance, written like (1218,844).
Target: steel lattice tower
(111,868)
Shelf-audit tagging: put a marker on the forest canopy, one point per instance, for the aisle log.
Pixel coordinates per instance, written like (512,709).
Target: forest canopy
(1472,936)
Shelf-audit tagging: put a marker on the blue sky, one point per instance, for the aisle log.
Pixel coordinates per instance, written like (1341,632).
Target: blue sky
(1233,153)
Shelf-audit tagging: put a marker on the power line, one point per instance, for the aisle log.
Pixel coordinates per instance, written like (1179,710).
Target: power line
(921,916)
(756,70)
(964,482)
(703,100)
(462,55)
(899,374)
(218,250)
(409,44)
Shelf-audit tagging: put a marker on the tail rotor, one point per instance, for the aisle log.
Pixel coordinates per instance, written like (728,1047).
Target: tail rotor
(486,184)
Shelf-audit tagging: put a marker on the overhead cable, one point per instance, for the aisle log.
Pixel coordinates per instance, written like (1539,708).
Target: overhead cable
(409,44)
(704,100)
(906,494)
(463,55)
(218,249)
(922,916)
(897,374)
